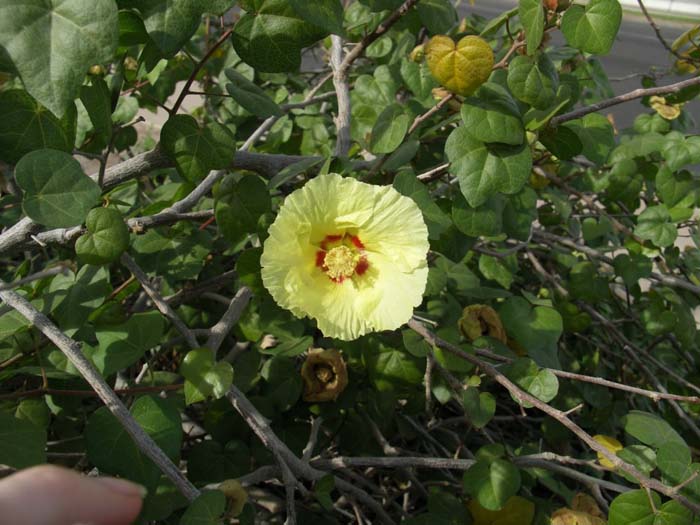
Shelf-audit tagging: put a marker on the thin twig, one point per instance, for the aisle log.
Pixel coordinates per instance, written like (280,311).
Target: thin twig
(523,397)
(342,90)
(158,301)
(626,97)
(233,313)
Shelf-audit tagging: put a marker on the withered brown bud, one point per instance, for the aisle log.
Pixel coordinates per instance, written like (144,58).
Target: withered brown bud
(479,320)
(325,375)
(236,496)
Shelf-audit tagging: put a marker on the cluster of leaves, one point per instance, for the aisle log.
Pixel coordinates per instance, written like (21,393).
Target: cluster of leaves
(567,228)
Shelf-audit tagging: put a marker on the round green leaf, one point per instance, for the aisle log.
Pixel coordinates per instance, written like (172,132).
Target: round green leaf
(389,130)
(484,170)
(485,220)
(655,224)
(22,443)
(634,508)
(56,191)
(204,377)
(111,449)
(250,96)
(493,116)
(239,206)
(106,239)
(538,382)
(27,126)
(480,407)
(207,509)
(52,43)
(492,483)
(326,14)
(533,80)
(196,150)
(593,28)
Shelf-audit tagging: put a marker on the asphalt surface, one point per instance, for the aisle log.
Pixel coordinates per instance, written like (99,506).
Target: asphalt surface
(636,50)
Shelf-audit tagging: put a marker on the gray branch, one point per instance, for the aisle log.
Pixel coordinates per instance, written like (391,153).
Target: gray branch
(230,318)
(72,351)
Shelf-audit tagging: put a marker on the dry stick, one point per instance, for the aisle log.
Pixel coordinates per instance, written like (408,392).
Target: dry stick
(261,427)
(233,313)
(313,438)
(626,97)
(658,32)
(652,394)
(425,116)
(342,90)
(90,393)
(634,352)
(158,300)
(71,349)
(668,280)
(197,67)
(61,268)
(523,397)
(270,121)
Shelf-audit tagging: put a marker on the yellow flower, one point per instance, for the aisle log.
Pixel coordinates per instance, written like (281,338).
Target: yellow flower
(348,254)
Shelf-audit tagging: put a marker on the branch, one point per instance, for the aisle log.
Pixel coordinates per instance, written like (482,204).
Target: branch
(261,427)
(523,397)
(632,95)
(158,300)
(230,318)
(342,89)
(71,349)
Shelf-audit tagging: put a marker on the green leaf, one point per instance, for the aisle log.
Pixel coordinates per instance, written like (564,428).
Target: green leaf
(326,14)
(389,130)
(493,268)
(437,220)
(680,151)
(492,115)
(592,29)
(56,191)
(651,430)
(207,509)
(538,382)
(632,268)
(676,189)
(484,170)
(111,449)
(196,150)
(271,36)
(492,483)
(485,220)
(26,126)
(391,369)
(536,328)
(673,460)
(634,508)
(597,136)
(52,43)
(637,146)
(210,462)
(250,96)
(531,14)
(479,407)
(562,141)
(106,239)
(22,443)
(35,411)
(656,225)
(239,205)
(122,345)
(533,80)
(77,296)
(673,513)
(204,377)
(97,101)
(170,23)
(586,284)
(437,15)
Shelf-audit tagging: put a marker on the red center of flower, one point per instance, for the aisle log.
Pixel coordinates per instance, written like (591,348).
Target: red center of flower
(341,256)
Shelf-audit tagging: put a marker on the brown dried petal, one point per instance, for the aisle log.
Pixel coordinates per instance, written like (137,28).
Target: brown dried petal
(479,320)
(324,374)
(236,496)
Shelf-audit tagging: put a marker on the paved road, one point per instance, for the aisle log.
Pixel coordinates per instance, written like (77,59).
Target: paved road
(636,50)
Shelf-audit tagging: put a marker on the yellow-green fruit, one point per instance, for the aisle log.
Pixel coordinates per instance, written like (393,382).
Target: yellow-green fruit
(461,68)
